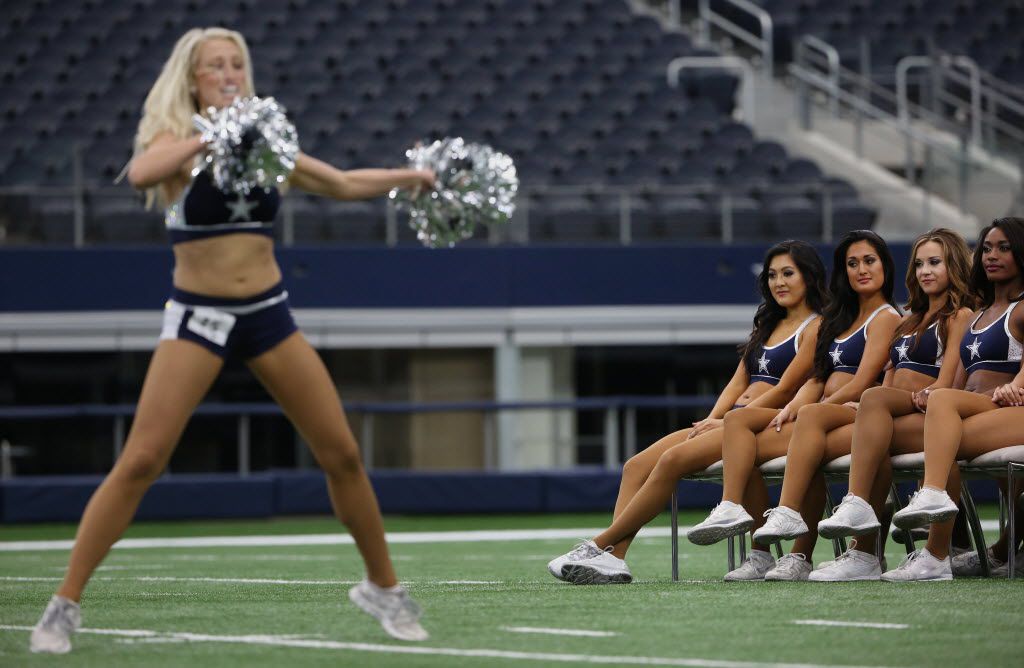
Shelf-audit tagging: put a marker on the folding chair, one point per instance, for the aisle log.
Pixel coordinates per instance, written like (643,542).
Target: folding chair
(1007,461)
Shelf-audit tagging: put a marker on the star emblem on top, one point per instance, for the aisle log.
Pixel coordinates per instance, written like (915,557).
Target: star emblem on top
(241,209)
(762,363)
(902,350)
(837,357)
(974,348)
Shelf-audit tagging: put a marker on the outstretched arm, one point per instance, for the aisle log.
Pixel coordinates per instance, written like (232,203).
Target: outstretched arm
(320,178)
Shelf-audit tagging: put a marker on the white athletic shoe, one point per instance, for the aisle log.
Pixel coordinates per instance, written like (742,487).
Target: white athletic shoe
(753,568)
(601,568)
(783,524)
(967,564)
(850,566)
(791,567)
(920,566)
(726,519)
(926,506)
(396,612)
(853,517)
(1003,569)
(583,550)
(52,635)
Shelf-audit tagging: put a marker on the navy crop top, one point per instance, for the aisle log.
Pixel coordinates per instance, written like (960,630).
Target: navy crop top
(204,211)
(992,348)
(924,357)
(846,353)
(771,362)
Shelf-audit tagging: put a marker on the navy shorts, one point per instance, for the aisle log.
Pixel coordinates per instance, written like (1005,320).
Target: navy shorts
(230,328)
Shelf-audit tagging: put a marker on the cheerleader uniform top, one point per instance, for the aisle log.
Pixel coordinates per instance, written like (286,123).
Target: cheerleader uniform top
(846,353)
(924,356)
(993,347)
(766,364)
(204,211)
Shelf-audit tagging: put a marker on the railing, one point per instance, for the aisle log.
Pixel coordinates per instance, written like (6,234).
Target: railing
(763,43)
(620,425)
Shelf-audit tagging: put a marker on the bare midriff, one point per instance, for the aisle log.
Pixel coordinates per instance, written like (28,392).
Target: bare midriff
(985,381)
(232,265)
(753,391)
(910,380)
(835,382)
(235,265)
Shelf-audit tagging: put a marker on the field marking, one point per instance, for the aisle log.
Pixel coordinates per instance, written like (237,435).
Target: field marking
(559,632)
(396,538)
(866,625)
(279,641)
(265,581)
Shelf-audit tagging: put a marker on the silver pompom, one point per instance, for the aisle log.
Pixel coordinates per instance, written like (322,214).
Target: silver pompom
(249,144)
(475,184)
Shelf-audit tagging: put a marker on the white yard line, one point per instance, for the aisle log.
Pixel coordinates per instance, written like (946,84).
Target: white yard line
(559,632)
(396,538)
(259,581)
(865,625)
(421,650)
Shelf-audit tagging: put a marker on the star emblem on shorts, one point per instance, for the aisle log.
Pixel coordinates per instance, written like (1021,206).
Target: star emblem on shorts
(762,363)
(974,348)
(837,357)
(241,209)
(902,350)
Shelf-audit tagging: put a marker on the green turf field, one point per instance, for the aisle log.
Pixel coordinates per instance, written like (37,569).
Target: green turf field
(286,605)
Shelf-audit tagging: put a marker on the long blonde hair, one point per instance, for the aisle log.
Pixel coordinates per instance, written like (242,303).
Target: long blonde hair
(171,101)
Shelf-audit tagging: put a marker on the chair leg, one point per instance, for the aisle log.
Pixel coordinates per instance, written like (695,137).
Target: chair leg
(675,536)
(1011,512)
(838,544)
(778,550)
(908,538)
(730,545)
(743,547)
(977,535)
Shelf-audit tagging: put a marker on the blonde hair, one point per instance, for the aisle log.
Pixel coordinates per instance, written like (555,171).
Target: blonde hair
(171,101)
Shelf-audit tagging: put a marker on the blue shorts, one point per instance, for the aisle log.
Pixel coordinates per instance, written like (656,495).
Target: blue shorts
(230,328)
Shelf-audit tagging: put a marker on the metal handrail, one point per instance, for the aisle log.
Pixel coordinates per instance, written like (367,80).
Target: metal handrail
(764,43)
(809,42)
(620,416)
(909,62)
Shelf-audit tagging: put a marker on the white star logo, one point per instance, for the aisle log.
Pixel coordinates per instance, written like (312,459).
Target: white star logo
(241,209)
(837,357)
(762,363)
(974,348)
(902,350)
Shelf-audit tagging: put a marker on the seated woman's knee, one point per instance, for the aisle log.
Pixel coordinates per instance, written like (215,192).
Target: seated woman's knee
(340,461)
(809,411)
(943,397)
(140,464)
(637,466)
(873,396)
(737,417)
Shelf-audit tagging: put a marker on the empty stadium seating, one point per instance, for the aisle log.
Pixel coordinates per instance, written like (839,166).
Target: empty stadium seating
(574,90)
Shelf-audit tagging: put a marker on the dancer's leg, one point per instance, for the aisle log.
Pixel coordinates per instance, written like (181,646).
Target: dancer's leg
(944,428)
(638,467)
(808,446)
(687,457)
(742,450)
(873,433)
(179,375)
(295,376)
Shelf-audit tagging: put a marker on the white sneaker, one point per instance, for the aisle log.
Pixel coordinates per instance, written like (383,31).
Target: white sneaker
(602,568)
(853,517)
(783,523)
(968,564)
(1003,569)
(791,567)
(52,635)
(396,612)
(850,566)
(920,566)
(753,568)
(926,506)
(883,564)
(583,550)
(726,520)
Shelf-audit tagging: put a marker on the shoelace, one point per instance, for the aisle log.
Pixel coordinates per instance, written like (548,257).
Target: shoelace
(910,558)
(790,561)
(582,549)
(55,616)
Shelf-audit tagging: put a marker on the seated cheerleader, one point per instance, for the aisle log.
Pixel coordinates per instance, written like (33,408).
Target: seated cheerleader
(774,362)
(989,413)
(888,420)
(849,357)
